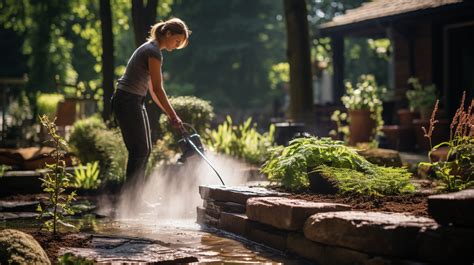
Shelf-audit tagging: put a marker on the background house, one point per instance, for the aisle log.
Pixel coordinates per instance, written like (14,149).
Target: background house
(431,39)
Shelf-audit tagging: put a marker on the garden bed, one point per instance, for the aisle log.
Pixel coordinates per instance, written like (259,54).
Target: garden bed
(413,204)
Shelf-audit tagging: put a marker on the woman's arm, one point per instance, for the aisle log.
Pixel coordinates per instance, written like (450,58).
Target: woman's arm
(157,92)
(155,98)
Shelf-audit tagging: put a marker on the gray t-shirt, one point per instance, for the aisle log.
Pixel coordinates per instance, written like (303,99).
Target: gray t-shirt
(136,76)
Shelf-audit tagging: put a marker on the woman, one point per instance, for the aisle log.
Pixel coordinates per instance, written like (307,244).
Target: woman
(143,74)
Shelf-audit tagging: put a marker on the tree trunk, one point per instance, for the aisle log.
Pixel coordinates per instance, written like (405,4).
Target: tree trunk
(107,56)
(143,18)
(301,89)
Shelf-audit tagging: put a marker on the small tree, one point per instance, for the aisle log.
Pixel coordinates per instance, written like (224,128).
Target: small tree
(55,182)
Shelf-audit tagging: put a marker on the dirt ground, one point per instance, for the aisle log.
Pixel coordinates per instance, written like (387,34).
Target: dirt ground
(413,204)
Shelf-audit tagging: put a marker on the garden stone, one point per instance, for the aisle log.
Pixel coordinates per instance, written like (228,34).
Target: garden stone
(285,213)
(379,233)
(234,223)
(267,235)
(17,247)
(205,219)
(9,216)
(447,245)
(18,206)
(109,249)
(328,255)
(382,157)
(456,208)
(229,207)
(236,194)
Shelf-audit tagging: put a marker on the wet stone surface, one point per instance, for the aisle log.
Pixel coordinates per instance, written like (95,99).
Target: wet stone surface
(18,206)
(128,250)
(16,215)
(237,194)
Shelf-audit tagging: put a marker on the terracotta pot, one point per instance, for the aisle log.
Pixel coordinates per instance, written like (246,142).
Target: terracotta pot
(406,117)
(400,137)
(361,127)
(440,133)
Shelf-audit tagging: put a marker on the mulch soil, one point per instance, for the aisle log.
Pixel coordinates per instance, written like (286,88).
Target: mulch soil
(52,243)
(413,204)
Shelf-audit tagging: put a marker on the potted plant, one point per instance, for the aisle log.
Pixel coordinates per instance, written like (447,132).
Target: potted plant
(365,109)
(421,98)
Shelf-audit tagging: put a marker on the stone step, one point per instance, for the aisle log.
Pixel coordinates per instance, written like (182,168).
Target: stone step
(203,218)
(17,215)
(328,255)
(18,206)
(285,213)
(240,225)
(456,208)
(237,194)
(234,223)
(122,250)
(229,207)
(378,233)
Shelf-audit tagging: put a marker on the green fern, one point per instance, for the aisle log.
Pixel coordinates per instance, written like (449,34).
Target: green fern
(87,178)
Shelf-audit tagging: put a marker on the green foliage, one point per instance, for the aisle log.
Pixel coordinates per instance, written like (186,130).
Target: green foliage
(192,110)
(19,111)
(92,141)
(457,172)
(421,98)
(342,127)
(47,104)
(4,168)
(383,180)
(279,74)
(83,136)
(56,182)
(290,166)
(87,178)
(246,41)
(242,141)
(70,259)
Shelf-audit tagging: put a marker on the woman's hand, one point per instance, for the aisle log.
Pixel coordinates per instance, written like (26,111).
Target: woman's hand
(177,123)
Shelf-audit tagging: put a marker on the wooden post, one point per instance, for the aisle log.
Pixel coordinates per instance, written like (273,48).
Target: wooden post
(301,85)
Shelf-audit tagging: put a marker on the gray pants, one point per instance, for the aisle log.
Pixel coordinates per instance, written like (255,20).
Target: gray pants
(132,118)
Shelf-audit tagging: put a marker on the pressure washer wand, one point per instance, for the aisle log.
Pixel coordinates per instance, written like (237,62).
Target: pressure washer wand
(204,157)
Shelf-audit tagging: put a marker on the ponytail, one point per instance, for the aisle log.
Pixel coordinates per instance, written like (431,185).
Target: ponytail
(173,25)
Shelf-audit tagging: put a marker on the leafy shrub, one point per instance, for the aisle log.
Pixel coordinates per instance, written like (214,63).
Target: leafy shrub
(290,166)
(92,141)
(457,171)
(365,96)
(19,111)
(421,98)
(384,180)
(82,138)
(195,111)
(242,141)
(87,178)
(56,182)
(48,103)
